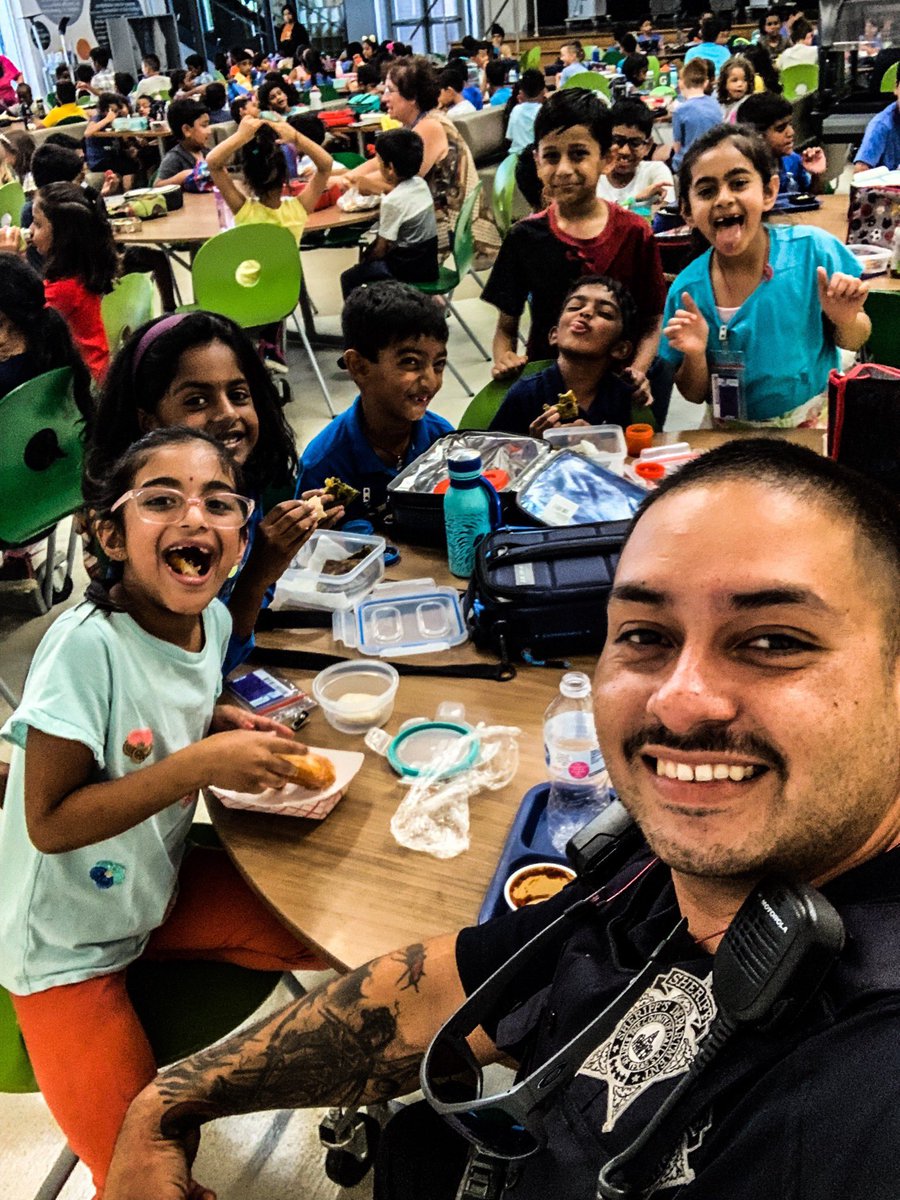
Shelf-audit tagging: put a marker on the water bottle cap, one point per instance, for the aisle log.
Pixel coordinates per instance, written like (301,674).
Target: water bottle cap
(575,684)
(464,465)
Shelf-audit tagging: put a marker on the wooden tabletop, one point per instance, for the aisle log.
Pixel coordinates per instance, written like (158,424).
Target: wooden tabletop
(344,884)
(198,221)
(832,217)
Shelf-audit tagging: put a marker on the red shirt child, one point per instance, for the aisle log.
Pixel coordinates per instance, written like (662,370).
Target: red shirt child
(80,309)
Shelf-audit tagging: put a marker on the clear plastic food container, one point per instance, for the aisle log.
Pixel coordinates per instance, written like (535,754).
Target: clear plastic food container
(331,570)
(401,619)
(604,444)
(356,695)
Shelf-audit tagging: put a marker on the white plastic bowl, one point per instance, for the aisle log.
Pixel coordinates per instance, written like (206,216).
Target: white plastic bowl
(559,873)
(357,694)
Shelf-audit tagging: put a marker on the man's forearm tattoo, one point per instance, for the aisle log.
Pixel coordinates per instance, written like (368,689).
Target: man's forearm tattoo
(413,960)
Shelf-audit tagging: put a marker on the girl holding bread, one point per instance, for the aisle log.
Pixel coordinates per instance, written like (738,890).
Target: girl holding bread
(117,731)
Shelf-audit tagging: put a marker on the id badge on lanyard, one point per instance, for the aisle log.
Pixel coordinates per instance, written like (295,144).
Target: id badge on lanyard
(727,367)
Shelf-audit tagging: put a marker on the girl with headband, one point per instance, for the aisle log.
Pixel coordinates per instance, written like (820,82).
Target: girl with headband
(201,370)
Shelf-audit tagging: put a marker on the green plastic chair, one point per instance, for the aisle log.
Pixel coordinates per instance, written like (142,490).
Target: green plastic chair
(349,158)
(800,80)
(483,406)
(612,57)
(884,341)
(663,89)
(591,81)
(589,52)
(889,79)
(449,278)
(328,92)
(128,306)
(531,59)
(12,198)
(653,68)
(502,195)
(252,274)
(71,121)
(738,42)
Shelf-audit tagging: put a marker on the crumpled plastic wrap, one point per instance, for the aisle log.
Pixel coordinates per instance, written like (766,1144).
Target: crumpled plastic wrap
(434,814)
(354,201)
(498,451)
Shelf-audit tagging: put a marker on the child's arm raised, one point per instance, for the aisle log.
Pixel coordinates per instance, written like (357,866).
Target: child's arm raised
(842,298)
(221,156)
(507,360)
(65,810)
(96,124)
(688,333)
(322,161)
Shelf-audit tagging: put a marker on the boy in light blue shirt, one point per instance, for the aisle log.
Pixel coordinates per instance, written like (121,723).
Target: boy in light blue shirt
(697,112)
(713,36)
(881,141)
(520,129)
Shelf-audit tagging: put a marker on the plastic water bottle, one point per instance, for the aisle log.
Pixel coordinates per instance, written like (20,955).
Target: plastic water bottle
(315,97)
(471,509)
(673,77)
(579,784)
(223,212)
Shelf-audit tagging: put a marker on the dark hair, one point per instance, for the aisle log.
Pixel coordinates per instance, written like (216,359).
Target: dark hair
(770,12)
(619,30)
(495,72)
(762,110)
(83,246)
(67,142)
(469,44)
(176,80)
(108,100)
(84,73)
(310,126)
(124,82)
(100,55)
(24,145)
(55,164)
(184,112)
(237,106)
(378,315)
(311,60)
(633,67)
(737,62)
(215,96)
(416,79)
(532,83)
(859,500)
(266,91)
(710,29)
(497,30)
(800,28)
(367,75)
(574,106)
(62,72)
(196,60)
(127,393)
(622,296)
(746,140)
(629,43)
(151,60)
(761,60)
(263,165)
(633,113)
(401,149)
(527,179)
(47,337)
(65,92)
(450,77)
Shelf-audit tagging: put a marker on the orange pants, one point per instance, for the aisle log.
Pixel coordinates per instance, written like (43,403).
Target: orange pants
(88,1050)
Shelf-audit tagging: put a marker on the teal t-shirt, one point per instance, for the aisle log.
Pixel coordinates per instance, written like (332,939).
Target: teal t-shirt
(780,328)
(132,699)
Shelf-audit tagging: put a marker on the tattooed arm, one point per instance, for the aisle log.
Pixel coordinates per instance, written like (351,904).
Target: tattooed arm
(357,1040)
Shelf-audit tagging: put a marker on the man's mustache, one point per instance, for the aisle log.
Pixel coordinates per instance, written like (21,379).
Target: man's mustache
(711,739)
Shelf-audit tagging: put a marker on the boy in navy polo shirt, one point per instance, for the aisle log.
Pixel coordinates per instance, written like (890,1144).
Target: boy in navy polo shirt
(595,335)
(395,341)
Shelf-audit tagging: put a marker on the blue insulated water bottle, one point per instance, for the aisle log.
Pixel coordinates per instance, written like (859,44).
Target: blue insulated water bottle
(471,509)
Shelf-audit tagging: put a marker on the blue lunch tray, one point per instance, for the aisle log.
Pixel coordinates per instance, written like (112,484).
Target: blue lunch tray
(528,842)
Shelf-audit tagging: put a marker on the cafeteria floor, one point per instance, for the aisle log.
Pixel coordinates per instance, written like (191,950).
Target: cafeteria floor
(244,1158)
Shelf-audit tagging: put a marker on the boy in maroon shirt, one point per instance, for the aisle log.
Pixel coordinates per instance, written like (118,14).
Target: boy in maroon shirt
(578,234)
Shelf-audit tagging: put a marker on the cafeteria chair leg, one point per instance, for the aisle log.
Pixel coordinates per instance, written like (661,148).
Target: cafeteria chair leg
(313,363)
(459,379)
(59,1173)
(472,338)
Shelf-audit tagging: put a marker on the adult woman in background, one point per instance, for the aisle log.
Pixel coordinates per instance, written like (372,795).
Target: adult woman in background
(292,34)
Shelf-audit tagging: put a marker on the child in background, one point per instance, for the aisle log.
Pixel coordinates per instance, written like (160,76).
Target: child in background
(216,101)
(801,50)
(594,338)
(16,154)
(103,79)
(697,111)
(189,122)
(713,36)
(153,84)
(754,324)
(275,101)
(65,108)
(578,234)
(406,245)
(201,370)
(773,117)
(124,83)
(72,234)
(524,105)
(634,68)
(571,55)
(243,106)
(769,34)
(881,141)
(395,341)
(498,90)
(737,81)
(96,868)
(242,79)
(630,176)
(110,154)
(451,99)
(648,40)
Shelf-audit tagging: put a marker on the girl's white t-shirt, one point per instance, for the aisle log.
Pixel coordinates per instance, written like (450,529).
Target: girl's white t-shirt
(133,700)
